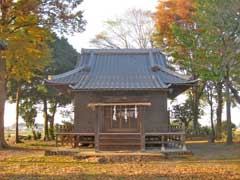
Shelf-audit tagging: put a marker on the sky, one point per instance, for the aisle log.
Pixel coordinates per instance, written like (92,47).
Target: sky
(95,13)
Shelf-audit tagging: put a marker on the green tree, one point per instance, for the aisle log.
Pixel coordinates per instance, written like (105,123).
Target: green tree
(28,111)
(220,24)
(183,113)
(65,58)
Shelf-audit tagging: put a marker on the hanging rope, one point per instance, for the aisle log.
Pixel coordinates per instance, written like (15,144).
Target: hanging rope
(135,112)
(125,114)
(114,113)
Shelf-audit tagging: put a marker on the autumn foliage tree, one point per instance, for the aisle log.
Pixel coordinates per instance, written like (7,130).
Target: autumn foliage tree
(177,34)
(25,26)
(169,13)
(202,36)
(27,47)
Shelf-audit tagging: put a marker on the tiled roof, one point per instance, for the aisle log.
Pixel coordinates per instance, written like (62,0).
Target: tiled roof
(121,69)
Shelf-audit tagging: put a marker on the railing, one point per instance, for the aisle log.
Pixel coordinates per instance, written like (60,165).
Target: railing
(64,128)
(66,136)
(176,128)
(172,140)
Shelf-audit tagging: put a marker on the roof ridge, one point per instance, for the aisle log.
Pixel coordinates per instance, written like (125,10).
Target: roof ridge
(68,73)
(122,51)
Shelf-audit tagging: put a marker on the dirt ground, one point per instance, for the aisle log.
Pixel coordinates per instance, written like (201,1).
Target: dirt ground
(210,161)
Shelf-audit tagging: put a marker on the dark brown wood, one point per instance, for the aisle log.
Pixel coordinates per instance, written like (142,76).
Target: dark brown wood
(142,109)
(97,130)
(72,133)
(56,140)
(151,129)
(120,104)
(119,124)
(119,141)
(155,116)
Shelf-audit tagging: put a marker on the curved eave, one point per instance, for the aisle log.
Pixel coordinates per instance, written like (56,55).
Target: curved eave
(63,87)
(189,83)
(178,88)
(119,89)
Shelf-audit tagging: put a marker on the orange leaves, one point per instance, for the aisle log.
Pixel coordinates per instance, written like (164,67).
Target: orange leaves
(174,11)
(169,13)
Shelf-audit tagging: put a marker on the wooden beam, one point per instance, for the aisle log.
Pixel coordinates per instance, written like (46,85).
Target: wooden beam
(97,131)
(72,133)
(92,105)
(142,128)
(164,133)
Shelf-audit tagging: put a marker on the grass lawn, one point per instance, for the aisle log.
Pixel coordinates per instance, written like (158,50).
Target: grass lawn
(210,161)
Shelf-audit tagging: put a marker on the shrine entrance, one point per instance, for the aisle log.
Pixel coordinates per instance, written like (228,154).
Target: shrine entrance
(121,118)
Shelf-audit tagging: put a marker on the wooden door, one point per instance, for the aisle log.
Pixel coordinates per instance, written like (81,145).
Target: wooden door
(126,119)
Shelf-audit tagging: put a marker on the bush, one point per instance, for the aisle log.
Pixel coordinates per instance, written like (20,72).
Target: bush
(38,135)
(202,131)
(29,137)
(224,128)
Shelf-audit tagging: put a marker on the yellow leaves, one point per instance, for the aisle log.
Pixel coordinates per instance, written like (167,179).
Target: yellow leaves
(28,49)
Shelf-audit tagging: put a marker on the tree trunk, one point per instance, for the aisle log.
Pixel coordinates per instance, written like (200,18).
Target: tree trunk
(219,109)
(235,93)
(228,107)
(196,100)
(17,114)
(212,139)
(52,121)
(209,89)
(212,126)
(195,109)
(45,116)
(51,128)
(2,102)
(34,134)
(197,92)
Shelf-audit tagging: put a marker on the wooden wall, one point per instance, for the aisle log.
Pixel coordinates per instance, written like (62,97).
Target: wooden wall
(155,116)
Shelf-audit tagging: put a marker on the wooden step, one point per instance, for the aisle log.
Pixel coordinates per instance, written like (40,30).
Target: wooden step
(119,142)
(119,148)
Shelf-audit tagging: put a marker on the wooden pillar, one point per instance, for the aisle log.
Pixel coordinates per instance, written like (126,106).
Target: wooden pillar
(163,143)
(57,135)
(62,139)
(183,138)
(97,129)
(56,140)
(142,109)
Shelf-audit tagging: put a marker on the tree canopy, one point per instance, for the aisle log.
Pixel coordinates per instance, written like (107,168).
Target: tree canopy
(26,27)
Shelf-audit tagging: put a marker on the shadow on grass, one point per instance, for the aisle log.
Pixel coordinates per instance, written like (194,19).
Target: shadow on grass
(71,176)
(29,146)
